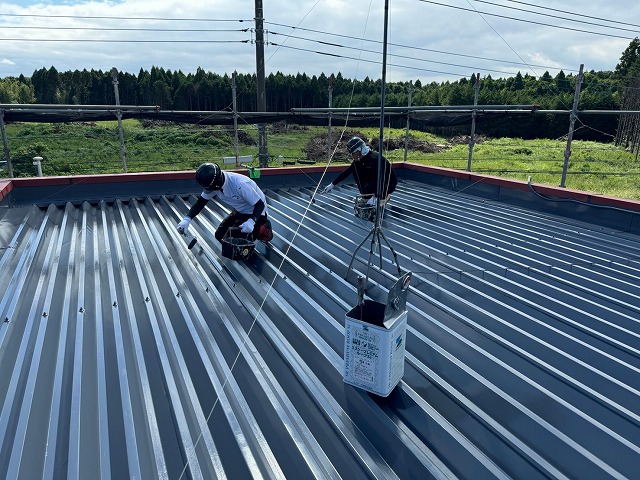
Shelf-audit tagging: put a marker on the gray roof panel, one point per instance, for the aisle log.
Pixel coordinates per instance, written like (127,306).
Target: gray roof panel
(125,354)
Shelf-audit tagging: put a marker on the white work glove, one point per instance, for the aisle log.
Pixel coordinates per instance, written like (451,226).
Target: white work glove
(183,226)
(371,201)
(328,188)
(247,227)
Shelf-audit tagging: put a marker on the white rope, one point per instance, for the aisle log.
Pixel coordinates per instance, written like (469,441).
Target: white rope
(284,258)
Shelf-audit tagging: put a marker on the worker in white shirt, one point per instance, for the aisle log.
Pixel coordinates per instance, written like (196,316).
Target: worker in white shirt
(240,193)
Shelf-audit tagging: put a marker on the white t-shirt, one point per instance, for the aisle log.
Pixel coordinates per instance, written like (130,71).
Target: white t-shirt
(239,192)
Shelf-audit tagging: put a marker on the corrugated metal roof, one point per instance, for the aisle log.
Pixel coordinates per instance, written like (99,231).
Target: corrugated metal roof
(124,354)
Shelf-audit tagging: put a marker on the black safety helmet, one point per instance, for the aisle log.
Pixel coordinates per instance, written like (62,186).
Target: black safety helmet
(210,176)
(355,144)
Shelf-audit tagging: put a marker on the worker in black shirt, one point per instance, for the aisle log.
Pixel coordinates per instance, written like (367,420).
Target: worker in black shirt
(364,169)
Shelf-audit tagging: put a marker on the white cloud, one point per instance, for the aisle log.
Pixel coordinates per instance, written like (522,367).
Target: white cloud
(426,41)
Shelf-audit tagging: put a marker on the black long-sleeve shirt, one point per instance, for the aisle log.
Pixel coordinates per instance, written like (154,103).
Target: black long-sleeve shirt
(365,173)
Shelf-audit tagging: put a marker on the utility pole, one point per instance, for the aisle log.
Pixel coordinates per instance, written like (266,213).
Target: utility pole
(472,138)
(263,154)
(572,122)
(235,116)
(123,152)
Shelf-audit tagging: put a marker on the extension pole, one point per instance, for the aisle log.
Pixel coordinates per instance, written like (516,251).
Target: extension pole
(382,101)
(572,121)
(376,234)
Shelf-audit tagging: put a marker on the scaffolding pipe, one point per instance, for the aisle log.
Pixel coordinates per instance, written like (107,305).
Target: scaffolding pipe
(123,151)
(329,134)
(5,145)
(415,109)
(406,133)
(572,121)
(66,107)
(472,138)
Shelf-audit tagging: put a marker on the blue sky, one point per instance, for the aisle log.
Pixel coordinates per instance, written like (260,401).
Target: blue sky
(427,40)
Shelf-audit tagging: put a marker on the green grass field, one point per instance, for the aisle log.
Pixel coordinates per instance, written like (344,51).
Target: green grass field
(94,148)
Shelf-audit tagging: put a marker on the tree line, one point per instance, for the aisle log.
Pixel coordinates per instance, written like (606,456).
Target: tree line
(174,90)
(207,91)
(628,134)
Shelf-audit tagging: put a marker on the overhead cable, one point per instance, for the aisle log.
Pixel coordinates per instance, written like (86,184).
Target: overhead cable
(533,22)
(422,49)
(555,16)
(406,57)
(573,13)
(100,17)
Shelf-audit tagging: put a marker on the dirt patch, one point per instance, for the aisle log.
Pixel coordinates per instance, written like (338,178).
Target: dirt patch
(148,123)
(465,139)
(285,127)
(316,148)
(243,137)
(413,143)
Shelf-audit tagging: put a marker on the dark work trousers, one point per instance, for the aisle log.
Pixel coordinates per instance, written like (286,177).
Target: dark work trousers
(261,231)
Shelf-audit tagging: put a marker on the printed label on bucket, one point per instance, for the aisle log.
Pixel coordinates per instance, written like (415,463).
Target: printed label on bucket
(365,351)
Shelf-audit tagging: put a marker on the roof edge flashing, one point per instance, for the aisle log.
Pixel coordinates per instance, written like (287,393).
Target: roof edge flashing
(611,212)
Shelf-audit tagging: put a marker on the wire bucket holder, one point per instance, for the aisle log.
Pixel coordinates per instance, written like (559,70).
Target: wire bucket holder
(236,246)
(364,211)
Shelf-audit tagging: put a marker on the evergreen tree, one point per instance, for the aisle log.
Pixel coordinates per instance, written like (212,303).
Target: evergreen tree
(629,60)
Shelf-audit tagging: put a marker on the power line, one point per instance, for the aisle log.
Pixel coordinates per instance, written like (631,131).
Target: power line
(393,55)
(553,16)
(100,17)
(123,29)
(368,61)
(481,15)
(573,13)
(528,21)
(423,49)
(94,40)
(244,30)
(228,30)
(336,45)
(537,13)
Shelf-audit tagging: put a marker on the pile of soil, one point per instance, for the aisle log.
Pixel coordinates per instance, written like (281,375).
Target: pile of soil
(316,148)
(285,127)
(243,137)
(148,123)
(413,143)
(464,139)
